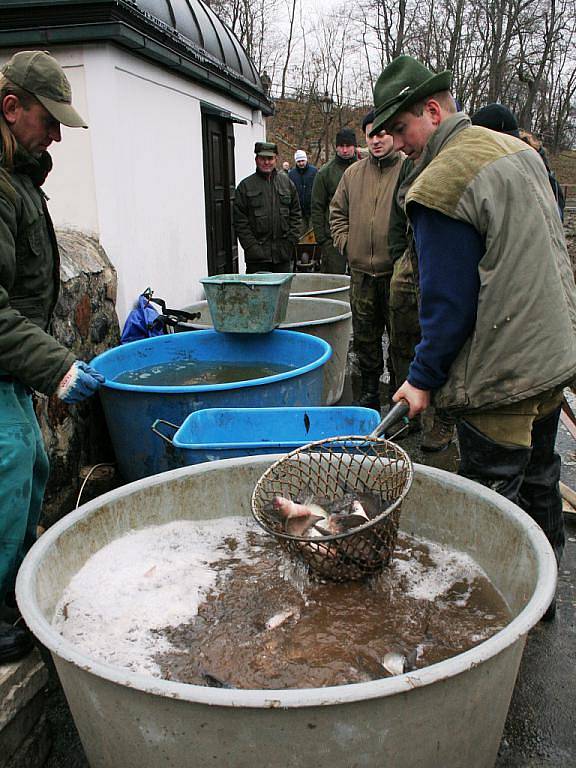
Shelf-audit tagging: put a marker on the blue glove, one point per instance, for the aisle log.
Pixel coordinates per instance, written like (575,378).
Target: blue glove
(80,382)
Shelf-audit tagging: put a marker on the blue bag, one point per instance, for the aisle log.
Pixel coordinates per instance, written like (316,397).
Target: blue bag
(142,322)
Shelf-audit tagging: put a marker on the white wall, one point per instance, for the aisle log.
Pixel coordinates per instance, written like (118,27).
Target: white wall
(135,178)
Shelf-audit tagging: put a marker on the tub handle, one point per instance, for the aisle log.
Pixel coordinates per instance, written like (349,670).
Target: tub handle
(156,431)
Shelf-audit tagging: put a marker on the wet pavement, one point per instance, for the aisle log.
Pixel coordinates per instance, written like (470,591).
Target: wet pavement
(540,728)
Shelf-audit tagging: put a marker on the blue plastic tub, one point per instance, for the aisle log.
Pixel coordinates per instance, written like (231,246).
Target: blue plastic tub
(248,303)
(130,410)
(226,433)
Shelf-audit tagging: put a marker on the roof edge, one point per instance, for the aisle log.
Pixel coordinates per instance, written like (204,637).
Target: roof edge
(60,22)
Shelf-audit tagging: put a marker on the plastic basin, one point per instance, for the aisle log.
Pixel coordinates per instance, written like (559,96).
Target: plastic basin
(226,433)
(247,303)
(322,285)
(131,410)
(325,318)
(449,714)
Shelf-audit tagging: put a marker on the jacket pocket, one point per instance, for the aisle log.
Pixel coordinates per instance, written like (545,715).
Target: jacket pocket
(284,206)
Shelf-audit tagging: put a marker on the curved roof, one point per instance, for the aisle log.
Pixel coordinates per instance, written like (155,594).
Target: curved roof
(196,22)
(184,35)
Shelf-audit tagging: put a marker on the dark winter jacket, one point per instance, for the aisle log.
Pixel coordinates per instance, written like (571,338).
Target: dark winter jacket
(303,179)
(325,185)
(267,217)
(29,278)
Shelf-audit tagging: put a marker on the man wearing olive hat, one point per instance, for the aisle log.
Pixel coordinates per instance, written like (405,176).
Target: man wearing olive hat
(497,298)
(35,98)
(267,215)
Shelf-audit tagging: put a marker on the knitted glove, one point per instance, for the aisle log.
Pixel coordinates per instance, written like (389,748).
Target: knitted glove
(80,382)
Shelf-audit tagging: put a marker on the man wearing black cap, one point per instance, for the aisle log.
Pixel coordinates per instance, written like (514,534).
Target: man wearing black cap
(267,214)
(497,295)
(35,99)
(499,118)
(325,184)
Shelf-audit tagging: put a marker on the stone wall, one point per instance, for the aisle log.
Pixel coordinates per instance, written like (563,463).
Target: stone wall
(85,321)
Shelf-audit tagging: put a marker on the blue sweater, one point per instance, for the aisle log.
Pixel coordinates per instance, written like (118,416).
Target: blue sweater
(449,252)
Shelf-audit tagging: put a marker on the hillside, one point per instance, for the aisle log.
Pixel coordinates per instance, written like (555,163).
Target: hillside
(301,125)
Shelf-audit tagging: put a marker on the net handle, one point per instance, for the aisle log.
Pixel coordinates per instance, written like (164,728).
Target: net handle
(394,415)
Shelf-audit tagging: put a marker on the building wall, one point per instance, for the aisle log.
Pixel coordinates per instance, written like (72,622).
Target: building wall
(135,179)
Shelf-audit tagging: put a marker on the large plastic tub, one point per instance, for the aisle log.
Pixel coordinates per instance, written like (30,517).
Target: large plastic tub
(449,714)
(248,303)
(325,318)
(227,433)
(131,410)
(322,285)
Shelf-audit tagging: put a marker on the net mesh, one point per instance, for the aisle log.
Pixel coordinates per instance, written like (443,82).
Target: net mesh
(331,469)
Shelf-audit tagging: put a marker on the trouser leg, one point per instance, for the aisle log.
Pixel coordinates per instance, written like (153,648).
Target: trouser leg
(332,261)
(540,490)
(23,477)
(404,321)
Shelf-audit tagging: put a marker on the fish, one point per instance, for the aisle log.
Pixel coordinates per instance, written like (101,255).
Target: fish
(312,517)
(298,518)
(397,663)
(281,617)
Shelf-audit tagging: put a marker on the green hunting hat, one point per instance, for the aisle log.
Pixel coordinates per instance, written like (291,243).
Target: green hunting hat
(265,149)
(40,74)
(404,82)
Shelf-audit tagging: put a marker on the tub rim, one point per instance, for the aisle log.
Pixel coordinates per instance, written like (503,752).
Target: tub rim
(323,291)
(287,698)
(284,326)
(198,388)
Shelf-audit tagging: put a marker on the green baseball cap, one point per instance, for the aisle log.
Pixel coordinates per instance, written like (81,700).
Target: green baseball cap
(40,74)
(265,149)
(403,83)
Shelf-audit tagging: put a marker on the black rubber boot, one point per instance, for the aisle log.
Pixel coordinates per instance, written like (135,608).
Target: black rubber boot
(370,392)
(527,476)
(15,642)
(540,490)
(499,467)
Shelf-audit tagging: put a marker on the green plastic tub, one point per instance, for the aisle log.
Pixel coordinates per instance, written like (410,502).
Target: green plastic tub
(248,303)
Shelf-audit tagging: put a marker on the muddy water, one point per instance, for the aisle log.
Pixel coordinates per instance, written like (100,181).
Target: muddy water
(189,373)
(264,626)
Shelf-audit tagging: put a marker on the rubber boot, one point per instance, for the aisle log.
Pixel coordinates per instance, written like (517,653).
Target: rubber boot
(499,467)
(370,392)
(540,490)
(527,476)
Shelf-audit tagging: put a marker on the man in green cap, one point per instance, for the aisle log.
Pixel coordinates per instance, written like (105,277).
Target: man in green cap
(35,98)
(267,215)
(497,298)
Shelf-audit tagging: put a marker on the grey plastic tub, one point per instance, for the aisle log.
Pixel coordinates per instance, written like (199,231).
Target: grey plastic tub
(322,285)
(324,318)
(449,714)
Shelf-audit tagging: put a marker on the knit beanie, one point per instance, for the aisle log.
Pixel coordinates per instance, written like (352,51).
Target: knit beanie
(346,136)
(300,155)
(497,117)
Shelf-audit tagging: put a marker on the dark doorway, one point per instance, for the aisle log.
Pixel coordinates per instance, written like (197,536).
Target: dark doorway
(219,186)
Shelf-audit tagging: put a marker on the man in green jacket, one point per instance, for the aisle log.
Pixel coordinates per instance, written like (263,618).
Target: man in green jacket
(325,184)
(267,215)
(497,298)
(359,217)
(35,98)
